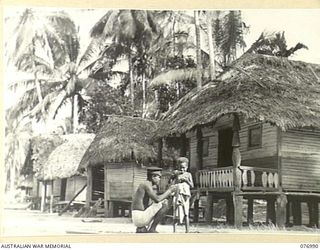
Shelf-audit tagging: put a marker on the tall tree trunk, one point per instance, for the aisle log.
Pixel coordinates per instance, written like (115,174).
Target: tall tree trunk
(131,80)
(72,115)
(198,49)
(12,181)
(75,114)
(34,69)
(211,49)
(144,95)
(173,35)
(157,100)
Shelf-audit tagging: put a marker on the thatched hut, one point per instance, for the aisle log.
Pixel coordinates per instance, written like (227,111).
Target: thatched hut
(62,164)
(41,147)
(116,161)
(254,133)
(25,184)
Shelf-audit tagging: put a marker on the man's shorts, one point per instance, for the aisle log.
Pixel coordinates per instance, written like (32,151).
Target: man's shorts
(143,218)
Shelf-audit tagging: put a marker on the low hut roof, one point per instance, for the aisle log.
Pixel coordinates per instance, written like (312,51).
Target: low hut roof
(119,139)
(42,146)
(63,162)
(264,88)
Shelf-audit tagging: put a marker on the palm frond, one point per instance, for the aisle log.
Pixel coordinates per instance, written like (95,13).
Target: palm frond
(43,107)
(87,83)
(92,54)
(67,31)
(28,100)
(98,28)
(60,101)
(176,75)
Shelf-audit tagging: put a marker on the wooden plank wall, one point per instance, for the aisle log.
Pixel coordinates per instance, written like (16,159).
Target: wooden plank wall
(120,181)
(300,160)
(266,156)
(56,187)
(74,184)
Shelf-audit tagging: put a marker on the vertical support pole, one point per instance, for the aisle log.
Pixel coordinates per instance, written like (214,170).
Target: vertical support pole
(123,210)
(281,210)
(271,212)
(116,208)
(51,196)
(236,159)
(229,210)
(209,208)
(196,211)
(236,155)
(296,210)
(89,187)
(43,196)
(238,206)
(106,193)
(288,212)
(313,209)
(316,213)
(250,211)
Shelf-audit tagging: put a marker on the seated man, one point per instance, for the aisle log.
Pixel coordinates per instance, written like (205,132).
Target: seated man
(147,216)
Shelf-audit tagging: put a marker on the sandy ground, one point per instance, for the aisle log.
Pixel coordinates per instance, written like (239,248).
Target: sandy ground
(34,223)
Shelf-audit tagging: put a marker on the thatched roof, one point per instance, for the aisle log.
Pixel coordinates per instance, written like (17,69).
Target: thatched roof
(41,147)
(120,138)
(63,162)
(270,89)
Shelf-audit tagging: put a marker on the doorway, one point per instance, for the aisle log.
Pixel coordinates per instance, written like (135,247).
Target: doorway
(225,147)
(97,182)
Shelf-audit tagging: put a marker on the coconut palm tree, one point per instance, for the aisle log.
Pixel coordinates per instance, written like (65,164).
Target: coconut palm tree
(209,17)
(274,44)
(17,139)
(198,48)
(228,30)
(130,31)
(66,78)
(34,44)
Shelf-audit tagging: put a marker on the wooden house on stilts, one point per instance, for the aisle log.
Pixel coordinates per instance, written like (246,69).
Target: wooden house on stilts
(116,162)
(254,133)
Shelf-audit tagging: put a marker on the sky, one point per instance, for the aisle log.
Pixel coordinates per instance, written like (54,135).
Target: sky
(299,26)
(302,25)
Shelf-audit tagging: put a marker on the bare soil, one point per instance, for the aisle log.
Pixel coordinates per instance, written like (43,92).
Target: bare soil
(35,223)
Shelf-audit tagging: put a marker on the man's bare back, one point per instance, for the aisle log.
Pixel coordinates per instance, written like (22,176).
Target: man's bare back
(141,197)
(144,213)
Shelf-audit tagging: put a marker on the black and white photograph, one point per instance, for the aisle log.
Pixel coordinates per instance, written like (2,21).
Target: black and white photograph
(160,121)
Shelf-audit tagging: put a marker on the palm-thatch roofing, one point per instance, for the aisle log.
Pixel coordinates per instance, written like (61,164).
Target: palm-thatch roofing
(282,92)
(63,162)
(122,138)
(41,147)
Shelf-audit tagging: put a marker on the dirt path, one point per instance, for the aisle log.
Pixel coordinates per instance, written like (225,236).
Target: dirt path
(34,223)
